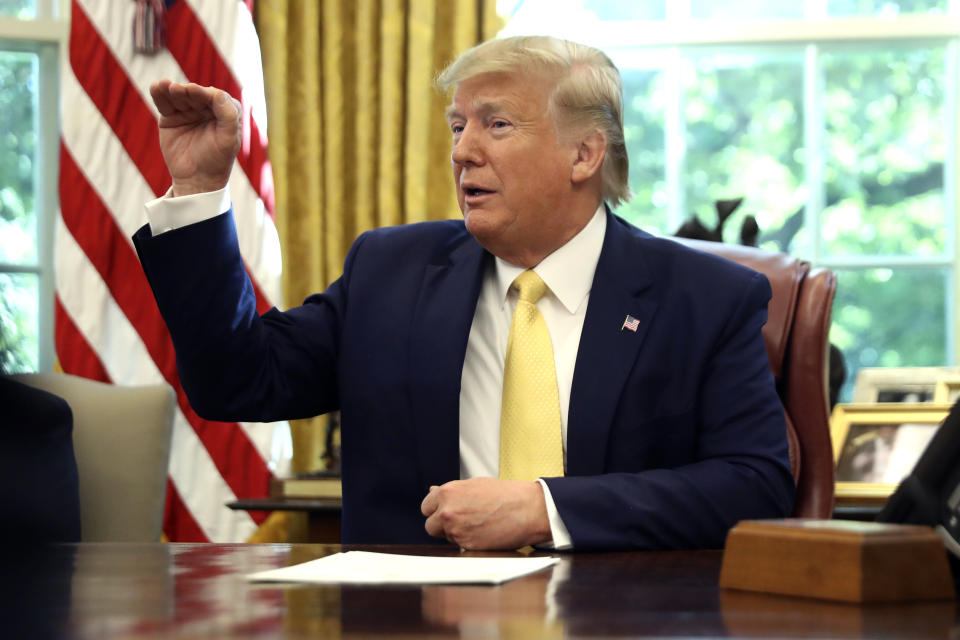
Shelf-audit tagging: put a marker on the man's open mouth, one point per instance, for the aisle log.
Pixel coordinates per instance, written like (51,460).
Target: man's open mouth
(476,192)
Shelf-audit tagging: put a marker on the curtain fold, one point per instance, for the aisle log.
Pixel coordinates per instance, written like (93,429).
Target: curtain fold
(358,137)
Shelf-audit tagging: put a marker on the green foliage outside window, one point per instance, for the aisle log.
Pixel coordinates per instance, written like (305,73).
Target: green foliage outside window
(18,322)
(18,145)
(644,106)
(882,149)
(23,9)
(884,7)
(19,293)
(890,318)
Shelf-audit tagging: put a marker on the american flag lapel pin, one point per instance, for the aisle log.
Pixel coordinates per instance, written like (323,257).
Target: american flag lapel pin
(630,323)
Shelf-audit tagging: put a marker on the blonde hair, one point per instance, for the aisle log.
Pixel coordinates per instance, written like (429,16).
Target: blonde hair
(587,93)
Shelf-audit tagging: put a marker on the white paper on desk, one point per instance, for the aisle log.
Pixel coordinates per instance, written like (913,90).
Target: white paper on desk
(365,567)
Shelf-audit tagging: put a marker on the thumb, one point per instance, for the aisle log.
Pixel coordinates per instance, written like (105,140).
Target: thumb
(225,108)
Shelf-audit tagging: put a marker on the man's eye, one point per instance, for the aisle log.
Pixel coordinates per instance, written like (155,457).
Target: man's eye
(456,128)
(499,124)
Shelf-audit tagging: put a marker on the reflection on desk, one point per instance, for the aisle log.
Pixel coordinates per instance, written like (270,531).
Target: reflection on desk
(200,591)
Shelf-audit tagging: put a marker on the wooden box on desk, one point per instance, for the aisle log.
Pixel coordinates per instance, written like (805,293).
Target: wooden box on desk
(837,560)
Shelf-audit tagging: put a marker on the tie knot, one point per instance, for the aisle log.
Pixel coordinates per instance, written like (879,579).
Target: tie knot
(530,286)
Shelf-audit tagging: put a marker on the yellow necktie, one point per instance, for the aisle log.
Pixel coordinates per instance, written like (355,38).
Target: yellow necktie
(531,444)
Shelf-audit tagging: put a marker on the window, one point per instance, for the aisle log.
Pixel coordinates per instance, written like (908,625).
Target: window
(834,120)
(29,41)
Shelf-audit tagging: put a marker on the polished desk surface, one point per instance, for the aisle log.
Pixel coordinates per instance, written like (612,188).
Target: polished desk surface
(199,591)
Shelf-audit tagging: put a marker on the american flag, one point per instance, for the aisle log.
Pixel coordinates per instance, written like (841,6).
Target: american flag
(631,324)
(107,324)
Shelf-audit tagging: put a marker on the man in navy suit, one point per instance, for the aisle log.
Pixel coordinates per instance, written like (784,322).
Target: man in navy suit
(672,430)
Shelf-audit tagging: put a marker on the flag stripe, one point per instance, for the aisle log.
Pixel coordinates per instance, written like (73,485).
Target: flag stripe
(178,517)
(259,243)
(79,358)
(107,322)
(104,80)
(202,489)
(125,358)
(122,189)
(98,236)
(188,42)
(234,24)
(125,111)
(105,162)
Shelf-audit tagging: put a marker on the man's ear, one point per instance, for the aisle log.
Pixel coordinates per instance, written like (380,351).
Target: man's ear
(590,154)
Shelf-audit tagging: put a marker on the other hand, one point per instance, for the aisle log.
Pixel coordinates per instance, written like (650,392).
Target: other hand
(487,513)
(200,134)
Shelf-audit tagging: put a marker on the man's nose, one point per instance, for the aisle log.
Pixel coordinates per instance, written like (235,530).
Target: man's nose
(467,148)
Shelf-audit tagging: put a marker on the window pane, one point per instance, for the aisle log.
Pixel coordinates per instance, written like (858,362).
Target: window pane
(25,9)
(19,310)
(885,148)
(884,8)
(889,318)
(626,9)
(643,105)
(18,141)
(746,9)
(744,119)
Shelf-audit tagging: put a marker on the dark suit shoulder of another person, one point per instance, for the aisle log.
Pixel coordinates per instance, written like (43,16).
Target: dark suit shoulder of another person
(38,471)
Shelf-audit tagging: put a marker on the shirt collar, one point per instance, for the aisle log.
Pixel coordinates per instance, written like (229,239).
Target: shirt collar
(568,271)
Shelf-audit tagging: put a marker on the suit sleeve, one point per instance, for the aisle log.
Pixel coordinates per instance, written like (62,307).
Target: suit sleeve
(738,470)
(235,364)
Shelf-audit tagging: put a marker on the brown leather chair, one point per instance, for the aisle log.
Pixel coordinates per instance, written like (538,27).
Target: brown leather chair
(796,335)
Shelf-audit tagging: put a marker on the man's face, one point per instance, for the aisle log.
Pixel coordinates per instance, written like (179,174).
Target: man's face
(513,175)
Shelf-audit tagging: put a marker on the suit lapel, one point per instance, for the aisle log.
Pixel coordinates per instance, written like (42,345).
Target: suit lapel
(441,325)
(607,350)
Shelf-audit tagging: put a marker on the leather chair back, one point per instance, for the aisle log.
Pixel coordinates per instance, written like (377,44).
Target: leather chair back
(121,439)
(796,335)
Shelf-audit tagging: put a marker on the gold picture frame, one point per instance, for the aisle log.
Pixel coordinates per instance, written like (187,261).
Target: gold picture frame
(875,445)
(899,384)
(947,390)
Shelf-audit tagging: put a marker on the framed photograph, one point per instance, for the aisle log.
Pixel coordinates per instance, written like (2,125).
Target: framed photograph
(947,390)
(876,445)
(899,384)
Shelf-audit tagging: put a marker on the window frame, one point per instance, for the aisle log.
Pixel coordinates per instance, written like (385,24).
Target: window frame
(47,37)
(680,38)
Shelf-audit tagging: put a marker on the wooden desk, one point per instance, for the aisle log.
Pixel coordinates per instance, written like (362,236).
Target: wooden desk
(198,591)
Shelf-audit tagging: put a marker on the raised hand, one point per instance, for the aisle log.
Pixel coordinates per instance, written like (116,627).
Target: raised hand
(200,134)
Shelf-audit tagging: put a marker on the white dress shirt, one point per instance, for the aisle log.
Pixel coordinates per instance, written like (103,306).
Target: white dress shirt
(568,274)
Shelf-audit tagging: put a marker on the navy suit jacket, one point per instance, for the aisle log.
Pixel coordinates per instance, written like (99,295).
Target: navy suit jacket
(675,431)
(39,491)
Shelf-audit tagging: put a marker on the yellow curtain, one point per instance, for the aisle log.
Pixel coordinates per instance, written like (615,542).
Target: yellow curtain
(357,134)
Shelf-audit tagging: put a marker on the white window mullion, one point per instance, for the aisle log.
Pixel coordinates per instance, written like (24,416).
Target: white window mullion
(46,172)
(813,135)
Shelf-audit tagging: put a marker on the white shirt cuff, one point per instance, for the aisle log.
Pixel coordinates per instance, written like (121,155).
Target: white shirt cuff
(167,213)
(561,537)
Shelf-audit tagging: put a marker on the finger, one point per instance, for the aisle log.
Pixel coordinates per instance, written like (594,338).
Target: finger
(434,526)
(201,97)
(187,99)
(430,502)
(160,92)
